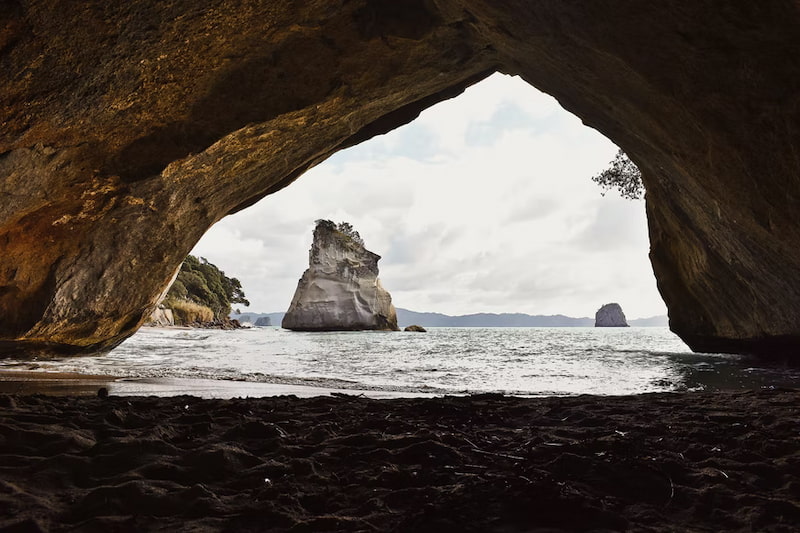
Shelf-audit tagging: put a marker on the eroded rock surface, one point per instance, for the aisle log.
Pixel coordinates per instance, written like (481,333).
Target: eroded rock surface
(129,128)
(610,316)
(340,291)
(161,317)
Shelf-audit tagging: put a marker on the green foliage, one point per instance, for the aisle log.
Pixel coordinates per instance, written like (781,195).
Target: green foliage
(344,228)
(178,290)
(202,283)
(623,175)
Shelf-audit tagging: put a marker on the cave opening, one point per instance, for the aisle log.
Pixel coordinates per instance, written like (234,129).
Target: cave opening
(130,143)
(484,203)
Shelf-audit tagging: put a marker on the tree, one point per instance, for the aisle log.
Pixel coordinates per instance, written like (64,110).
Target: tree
(345,228)
(623,175)
(202,283)
(234,292)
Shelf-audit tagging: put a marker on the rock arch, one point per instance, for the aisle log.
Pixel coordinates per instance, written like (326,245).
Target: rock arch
(128,130)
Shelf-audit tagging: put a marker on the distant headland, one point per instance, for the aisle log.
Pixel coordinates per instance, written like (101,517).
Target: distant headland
(406,317)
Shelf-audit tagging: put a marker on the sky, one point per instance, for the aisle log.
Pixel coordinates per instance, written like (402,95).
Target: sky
(484,203)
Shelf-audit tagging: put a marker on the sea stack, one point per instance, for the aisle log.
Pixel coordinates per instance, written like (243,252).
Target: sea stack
(610,316)
(263,321)
(340,291)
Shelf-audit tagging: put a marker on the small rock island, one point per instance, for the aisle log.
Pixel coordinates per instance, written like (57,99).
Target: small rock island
(263,321)
(610,316)
(340,290)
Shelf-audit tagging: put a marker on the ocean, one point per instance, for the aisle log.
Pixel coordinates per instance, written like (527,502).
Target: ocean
(516,361)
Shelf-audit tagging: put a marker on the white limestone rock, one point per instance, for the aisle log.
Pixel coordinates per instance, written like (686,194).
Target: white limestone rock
(340,290)
(161,317)
(610,316)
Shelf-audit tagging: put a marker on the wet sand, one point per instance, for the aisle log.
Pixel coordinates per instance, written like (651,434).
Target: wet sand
(725,461)
(27,382)
(51,383)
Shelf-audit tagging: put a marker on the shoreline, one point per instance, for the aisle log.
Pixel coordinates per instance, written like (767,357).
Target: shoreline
(49,383)
(722,461)
(26,382)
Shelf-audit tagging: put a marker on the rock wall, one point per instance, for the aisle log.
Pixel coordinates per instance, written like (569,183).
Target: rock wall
(340,291)
(129,128)
(161,318)
(610,316)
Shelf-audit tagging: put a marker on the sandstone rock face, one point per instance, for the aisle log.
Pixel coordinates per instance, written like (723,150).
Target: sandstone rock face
(161,318)
(340,290)
(129,128)
(415,328)
(263,321)
(610,316)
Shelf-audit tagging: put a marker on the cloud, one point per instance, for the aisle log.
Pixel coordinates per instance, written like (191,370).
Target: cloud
(482,204)
(616,223)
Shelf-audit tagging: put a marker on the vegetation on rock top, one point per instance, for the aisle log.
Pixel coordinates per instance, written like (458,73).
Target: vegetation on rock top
(345,228)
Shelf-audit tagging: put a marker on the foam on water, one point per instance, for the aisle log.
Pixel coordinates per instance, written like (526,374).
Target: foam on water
(527,361)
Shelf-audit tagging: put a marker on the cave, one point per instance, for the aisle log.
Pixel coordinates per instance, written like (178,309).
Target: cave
(128,130)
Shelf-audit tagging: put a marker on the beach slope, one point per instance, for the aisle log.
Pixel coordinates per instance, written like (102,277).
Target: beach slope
(660,462)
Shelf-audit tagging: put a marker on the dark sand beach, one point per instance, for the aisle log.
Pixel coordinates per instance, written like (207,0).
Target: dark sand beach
(661,462)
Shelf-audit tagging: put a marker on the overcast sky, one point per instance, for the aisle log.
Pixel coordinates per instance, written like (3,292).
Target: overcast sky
(483,204)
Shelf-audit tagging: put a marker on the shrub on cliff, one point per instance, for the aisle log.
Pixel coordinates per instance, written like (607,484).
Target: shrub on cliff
(202,284)
(345,228)
(623,175)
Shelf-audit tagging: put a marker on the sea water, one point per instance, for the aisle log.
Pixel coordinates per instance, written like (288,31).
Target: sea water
(520,361)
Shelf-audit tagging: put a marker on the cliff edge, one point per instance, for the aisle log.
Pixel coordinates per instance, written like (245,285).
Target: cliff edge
(340,289)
